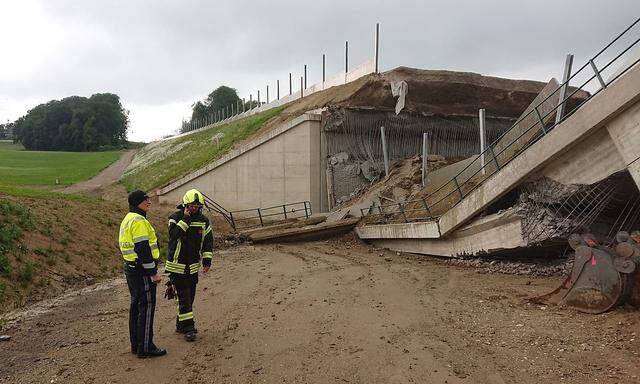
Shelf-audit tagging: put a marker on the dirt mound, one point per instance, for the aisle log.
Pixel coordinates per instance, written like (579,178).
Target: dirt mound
(430,92)
(449,93)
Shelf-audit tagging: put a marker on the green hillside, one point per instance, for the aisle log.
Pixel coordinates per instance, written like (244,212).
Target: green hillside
(163,161)
(39,168)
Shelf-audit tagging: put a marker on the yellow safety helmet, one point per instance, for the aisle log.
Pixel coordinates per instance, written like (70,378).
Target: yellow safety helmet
(193,196)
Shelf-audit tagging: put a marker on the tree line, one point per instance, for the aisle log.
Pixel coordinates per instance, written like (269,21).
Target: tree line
(74,124)
(219,99)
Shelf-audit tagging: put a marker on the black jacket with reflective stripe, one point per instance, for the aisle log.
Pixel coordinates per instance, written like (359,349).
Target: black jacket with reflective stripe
(189,238)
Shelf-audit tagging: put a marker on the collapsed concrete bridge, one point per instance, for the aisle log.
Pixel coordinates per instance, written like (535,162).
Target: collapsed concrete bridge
(546,174)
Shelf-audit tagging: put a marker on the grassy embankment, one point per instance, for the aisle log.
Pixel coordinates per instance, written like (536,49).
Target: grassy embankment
(159,163)
(50,241)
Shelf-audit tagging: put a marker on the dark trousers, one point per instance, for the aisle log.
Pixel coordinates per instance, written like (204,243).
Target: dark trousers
(185,294)
(141,310)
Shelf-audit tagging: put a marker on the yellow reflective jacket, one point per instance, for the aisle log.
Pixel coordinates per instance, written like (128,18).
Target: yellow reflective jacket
(138,242)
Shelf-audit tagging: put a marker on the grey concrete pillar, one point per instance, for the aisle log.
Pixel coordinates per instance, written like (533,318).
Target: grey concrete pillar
(483,139)
(425,158)
(566,74)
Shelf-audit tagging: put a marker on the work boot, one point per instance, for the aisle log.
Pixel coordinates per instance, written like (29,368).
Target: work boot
(190,336)
(153,352)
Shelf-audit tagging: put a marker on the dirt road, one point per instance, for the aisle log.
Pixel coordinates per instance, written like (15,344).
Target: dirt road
(106,177)
(333,312)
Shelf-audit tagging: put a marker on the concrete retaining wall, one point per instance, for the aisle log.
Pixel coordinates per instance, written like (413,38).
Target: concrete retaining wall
(282,167)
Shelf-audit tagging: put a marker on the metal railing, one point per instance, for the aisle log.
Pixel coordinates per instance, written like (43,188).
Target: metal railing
(213,206)
(476,172)
(259,217)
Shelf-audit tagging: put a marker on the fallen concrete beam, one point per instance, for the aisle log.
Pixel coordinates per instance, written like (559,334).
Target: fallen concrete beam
(493,233)
(311,233)
(290,223)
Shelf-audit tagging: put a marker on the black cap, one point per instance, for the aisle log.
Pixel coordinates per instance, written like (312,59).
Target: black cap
(137,197)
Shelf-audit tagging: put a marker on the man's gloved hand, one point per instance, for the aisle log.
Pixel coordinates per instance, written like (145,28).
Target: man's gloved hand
(170,292)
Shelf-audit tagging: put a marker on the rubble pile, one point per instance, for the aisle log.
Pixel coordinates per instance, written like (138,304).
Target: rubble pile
(555,267)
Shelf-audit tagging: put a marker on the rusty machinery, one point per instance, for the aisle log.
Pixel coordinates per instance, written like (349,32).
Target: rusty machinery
(602,277)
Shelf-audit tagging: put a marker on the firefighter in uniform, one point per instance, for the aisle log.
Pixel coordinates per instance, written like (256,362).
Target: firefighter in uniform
(139,247)
(190,243)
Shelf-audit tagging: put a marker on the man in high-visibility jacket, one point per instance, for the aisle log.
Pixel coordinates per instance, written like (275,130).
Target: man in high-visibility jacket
(190,243)
(139,247)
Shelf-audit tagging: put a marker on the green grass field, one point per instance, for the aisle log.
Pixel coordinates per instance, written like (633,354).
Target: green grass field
(20,168)
(160,162)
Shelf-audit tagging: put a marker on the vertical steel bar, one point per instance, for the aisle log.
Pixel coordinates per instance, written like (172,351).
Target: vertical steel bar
(260,216)
(278,89)
(346,60)
(301,89)
(233,221)
(426,206)
(425,157)
(483,139)
(404,216)
(284,210)
(267,94)
(305,76)
(258,98)
(323,70)
(385,155)
(595,69)
(458,188)
(544,130)
(377,46)
(493,154)
(566,74)
(306,213)
(290,85)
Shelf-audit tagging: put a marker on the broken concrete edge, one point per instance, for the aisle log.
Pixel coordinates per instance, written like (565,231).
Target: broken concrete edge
(240,151)
(429,229)
(309,233)
(501,232)
(600,110)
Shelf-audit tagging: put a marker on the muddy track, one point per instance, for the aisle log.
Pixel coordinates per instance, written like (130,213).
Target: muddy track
(326,312)
(106,177)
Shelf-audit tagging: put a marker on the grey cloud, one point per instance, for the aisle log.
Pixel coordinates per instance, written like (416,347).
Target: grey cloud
(159,52)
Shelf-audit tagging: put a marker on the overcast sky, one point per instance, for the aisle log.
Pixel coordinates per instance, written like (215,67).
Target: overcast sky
(161,56)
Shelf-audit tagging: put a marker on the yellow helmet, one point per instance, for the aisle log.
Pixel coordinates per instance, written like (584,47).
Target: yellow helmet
(193,196)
